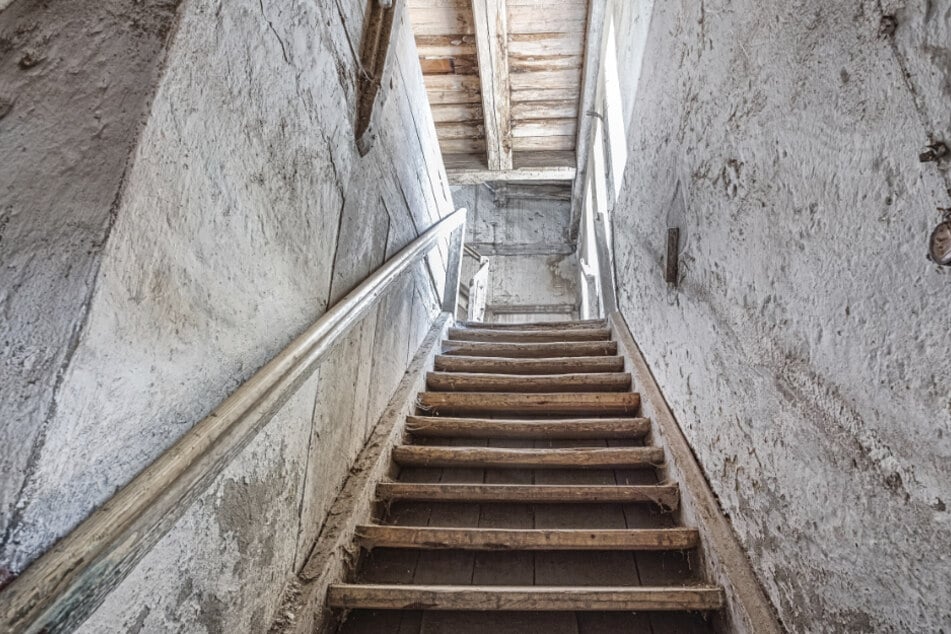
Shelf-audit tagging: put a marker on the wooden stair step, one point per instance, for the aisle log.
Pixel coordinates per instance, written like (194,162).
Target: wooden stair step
(536,335)
(551,404)
(524,598)
(544,325)
(561,429)
(530,350)
(544,365)
(663,495)
(488,382)
(503,458)
(430,537)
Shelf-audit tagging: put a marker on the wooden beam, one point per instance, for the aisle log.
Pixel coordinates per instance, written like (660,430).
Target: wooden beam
(553,365)
(494,382)
(503,458)
(666,496)
(572,428)
(550,404)
(490,18)
(535,350)
(428,537)
(543,325)
(527,598)
(521,174)
(536,335)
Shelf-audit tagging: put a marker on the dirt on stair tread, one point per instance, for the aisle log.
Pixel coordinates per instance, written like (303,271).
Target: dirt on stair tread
(446,447)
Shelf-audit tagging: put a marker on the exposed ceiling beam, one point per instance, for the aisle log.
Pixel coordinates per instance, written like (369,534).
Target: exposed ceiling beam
(476,176)
(491,26)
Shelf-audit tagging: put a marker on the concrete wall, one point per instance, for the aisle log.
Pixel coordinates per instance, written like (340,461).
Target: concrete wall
(524,231)
(805,349)
(171,276)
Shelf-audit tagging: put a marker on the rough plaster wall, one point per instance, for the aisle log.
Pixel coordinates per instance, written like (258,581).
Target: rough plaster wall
(223,566)
(805,350)
(245,213)
(64,155)
(515,224)
(533,279)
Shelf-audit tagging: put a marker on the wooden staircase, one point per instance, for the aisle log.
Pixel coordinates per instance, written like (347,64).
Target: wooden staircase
(527,500)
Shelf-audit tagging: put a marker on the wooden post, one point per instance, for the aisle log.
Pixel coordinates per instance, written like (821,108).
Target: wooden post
(450,297)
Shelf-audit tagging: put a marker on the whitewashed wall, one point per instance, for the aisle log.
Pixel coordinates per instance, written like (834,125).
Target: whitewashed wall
(805,350)
(244,212)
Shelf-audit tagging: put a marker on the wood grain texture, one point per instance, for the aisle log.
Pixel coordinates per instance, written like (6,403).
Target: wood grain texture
(530,335)
(551,365)
(490,20)
(571,428)
(665,496)
(502,458)
(530,350)
(430,537)
(549,404)
(490,382)
(531,598)
(544,325)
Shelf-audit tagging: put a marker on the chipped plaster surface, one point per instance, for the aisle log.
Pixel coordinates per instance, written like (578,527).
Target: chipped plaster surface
(65,152)
(805,349)
(246,210)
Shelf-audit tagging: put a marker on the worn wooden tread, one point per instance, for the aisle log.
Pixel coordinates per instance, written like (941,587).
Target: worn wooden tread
(543,365)
(536,335)
(666,496)
(524,598)
(530,350)
(545,325)
(548,403)
(432,537)
(490,382)
(561,429)
(503,458)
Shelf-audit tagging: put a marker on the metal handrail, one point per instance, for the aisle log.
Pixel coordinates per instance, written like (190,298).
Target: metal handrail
(59,590)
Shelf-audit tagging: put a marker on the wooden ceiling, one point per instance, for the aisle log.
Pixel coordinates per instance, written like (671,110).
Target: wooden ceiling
(517,61)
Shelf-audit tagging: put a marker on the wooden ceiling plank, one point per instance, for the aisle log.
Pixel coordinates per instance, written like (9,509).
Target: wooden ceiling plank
(532,95)
(546,79)
(445,45)
(545,127)
(534,143)
(454,113)
(462,146)
(544,158)
(459,130)
(490,19)
(471,176)
(442,21)
(555,109)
